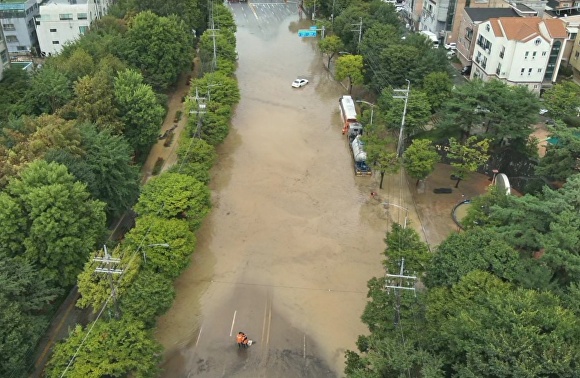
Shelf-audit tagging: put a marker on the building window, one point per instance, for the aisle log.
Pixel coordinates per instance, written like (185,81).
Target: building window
(4,56)
(534,55)
(487,27)
(543,53)
(527,53)
(498,69)
(83,29)
(55,42)
(538,41)
(522,71)
(8,27)
(81,16)
(65,16)
(502,52)
(576,55)
(539,70)
(11,39)
(572,36)
(529,71)
(535,87)
(22,48)
(53,30)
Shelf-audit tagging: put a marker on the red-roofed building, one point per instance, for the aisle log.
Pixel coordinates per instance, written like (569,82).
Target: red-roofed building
(519,50)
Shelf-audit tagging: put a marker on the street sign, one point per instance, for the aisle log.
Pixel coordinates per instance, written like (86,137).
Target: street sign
(313,27)
(306,33)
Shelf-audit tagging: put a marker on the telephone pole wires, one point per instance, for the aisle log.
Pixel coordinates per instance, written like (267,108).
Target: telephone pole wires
(359,31)
(109,267)
(398,282)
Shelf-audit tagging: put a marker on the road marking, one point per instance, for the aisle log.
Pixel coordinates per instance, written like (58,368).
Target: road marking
(269,324)
(233,322)
(304,350)
(254,11)
(264,325)
(198,336)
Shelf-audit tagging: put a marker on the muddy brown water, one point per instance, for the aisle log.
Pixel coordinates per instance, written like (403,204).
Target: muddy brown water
(293,236)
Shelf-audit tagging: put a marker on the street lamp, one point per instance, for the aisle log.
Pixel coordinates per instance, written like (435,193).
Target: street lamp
(369,104)
(385,204)
(164,245)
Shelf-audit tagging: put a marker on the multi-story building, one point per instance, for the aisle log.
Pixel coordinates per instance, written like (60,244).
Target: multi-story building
(4,59)
(17,18)
(519,51)
(467,29)
(575,58)
(62,21)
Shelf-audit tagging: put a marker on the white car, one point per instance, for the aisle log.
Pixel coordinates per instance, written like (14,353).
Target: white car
(299,83)
(543,111)
(451,46)
(451,54)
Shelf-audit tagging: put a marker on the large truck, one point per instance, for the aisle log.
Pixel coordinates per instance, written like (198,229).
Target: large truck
(351,127)
(432,37)
(360,157)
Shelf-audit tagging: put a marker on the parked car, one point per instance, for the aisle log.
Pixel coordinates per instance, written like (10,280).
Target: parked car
(466,70)
(451,46)
(451,54)
(299,83)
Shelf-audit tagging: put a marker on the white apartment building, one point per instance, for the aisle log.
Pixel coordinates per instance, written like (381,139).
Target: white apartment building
(17,19)
(62,21)
(519,51)
(4,59)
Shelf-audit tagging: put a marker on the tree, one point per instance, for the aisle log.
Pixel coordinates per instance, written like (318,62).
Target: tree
(483,327)
(417,115)
(380,155)
(79,64)
(215,124)
(95,287)
(148,297)
(330,46)
(175,196)
(14,85)
(467,157)
(350,67)
(437,86)
(115,348)
(196,157)
(190,11)
(403,242)
(151,230)
(420,158)
(161,47)
(562,158)
(563,99)
(62,223)
(216,87)
(50,89)
(477,249)
(94,102)
(140,112)
(24,296)
(225,43)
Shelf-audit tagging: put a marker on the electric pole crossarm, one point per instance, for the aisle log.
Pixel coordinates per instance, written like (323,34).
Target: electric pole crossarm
(399,287)
(401,276)
(107,260)
(110,271)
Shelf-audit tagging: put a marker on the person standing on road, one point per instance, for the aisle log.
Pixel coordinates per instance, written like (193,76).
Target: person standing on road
(240,339)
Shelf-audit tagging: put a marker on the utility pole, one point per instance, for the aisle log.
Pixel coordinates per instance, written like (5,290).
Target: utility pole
(201,109)
(314,12)
(359,31)
(109,268)
(213,36)
(403,282)
(401,130)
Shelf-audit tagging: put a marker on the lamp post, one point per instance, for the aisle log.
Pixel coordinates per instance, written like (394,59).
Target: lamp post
(369,104)
(385,204)
(164,245)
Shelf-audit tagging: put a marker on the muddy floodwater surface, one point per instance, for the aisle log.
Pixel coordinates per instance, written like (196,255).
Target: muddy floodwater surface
(293,236)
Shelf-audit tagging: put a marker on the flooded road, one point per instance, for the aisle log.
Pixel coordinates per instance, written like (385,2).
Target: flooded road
(293,236)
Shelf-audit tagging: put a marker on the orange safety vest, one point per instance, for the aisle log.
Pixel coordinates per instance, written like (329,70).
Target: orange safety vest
(240,338)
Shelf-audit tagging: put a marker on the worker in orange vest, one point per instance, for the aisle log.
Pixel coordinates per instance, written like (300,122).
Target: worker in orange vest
(240,339)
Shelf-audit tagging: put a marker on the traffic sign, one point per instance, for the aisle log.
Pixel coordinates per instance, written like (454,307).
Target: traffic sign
(306,33)
(313,27)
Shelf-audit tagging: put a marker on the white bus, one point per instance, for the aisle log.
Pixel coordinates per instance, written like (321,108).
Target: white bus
(348,115)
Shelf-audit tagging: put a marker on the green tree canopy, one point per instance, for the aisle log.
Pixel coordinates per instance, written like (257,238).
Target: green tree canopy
(161,47)
(467,157)
(562,158)
(111,348)
(350,67)
(196,157)
(216,87)
(404,242)
(139,110)
(563,99)
(420,158)
(175,196)
(437,86)
(50,89)
(330,46)
(417,115)
(150,231)
(63,223)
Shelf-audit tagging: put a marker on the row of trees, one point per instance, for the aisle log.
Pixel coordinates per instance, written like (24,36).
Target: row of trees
(170,210)
(501,299)
(72,135)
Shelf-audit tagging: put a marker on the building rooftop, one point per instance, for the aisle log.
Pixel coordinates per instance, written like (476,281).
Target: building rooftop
(526,28)
(524,8)
(12,1)
(62,2)
(484,14)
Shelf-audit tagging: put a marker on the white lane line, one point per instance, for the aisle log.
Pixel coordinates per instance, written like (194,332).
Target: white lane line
(304,350)
(269,324)
(264,325)
(233,322)
(198,336)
